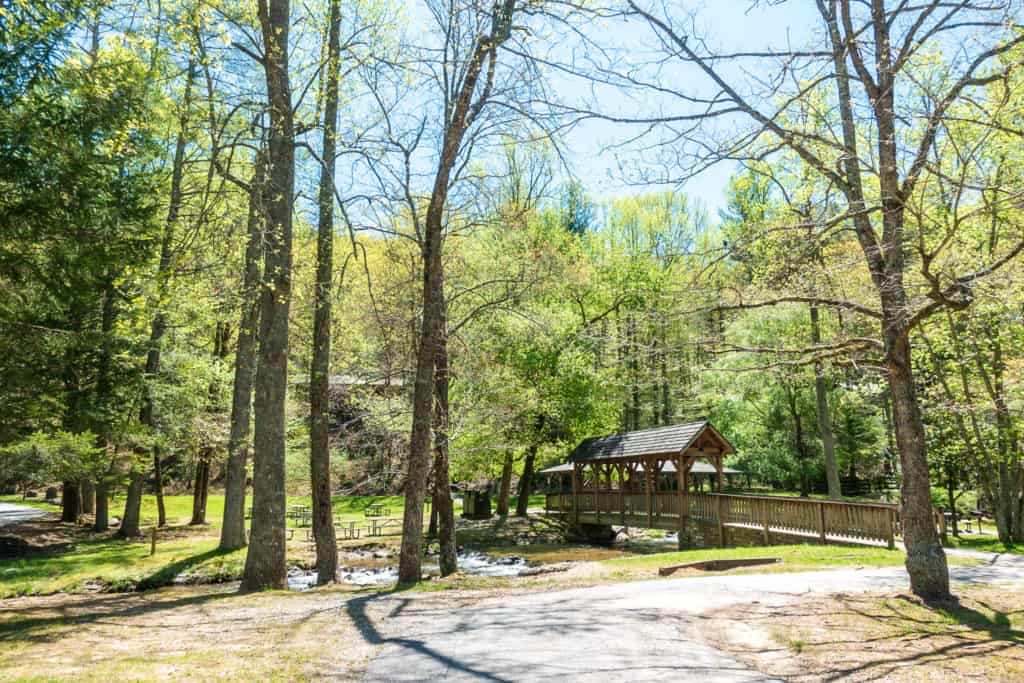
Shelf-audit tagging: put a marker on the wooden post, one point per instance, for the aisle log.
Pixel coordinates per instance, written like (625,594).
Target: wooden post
(619,469)
(764,522)
(718,473)
(721,520)
(152,543)
(648,474)
(575,491)
(821,522)
(681,497)
(890,524)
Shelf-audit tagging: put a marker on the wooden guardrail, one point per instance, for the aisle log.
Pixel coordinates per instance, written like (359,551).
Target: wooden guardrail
(840,520)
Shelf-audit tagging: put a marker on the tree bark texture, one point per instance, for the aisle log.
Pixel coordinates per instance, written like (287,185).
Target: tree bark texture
(462,113)
(70,502)
(926,561)
(443,504)
(265,562)
(526,482)
(505,488)
(132,507)
(320,366)
(200,490)
(232,533)
(101,518)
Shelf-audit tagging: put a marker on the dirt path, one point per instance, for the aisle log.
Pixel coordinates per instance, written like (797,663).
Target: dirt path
(629,631)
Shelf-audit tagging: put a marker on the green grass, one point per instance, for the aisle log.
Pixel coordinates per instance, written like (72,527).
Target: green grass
(804,556)
(30,502)
(986,542)
(537,500)
(116,565)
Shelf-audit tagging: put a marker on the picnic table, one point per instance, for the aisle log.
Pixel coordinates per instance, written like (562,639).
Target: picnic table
(978,515)
(347,529)
(300,514)
(963,520)
(376,510)
(380,526)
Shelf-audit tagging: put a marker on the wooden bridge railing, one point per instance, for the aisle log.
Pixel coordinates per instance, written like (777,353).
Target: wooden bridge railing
(840,520)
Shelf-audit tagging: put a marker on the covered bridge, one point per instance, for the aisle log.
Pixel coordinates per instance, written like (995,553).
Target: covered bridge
(626,479)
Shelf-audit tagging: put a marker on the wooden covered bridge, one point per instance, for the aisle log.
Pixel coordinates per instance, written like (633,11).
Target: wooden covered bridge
(626,480)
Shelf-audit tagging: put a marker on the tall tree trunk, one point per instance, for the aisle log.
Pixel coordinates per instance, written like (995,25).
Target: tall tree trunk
(70,503)
(526,482)
(232,532)
(200,489)
(828,441)
(101,519)
(926,561)
(88,497)
(463,110)
(447,561)
(505,489)
(265,562)
(158,486)
(132,507)
(158,327)
(320,366)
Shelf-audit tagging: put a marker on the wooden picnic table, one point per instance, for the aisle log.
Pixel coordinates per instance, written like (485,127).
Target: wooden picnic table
(376,510)
(378,526)
(347,529)
(301,514)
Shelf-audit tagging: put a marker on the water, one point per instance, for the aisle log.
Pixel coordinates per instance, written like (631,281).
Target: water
(474,563)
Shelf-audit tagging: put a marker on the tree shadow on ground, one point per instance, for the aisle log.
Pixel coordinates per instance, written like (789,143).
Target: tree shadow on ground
(91,610)
(881,638)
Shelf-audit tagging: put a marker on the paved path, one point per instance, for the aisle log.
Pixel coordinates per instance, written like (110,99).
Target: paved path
(12,514)
(620,632)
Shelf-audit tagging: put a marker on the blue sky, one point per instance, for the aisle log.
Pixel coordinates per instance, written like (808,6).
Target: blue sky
(727,24)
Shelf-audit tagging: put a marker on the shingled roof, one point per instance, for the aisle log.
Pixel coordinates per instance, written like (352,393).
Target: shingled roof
(655,441)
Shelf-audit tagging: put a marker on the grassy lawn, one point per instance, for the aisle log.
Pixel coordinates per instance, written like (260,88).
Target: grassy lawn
(794,557)
(90,562)
(987,542)
(114,565)
(30,502)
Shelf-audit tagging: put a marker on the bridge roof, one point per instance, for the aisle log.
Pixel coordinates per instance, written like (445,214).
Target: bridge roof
(648,442)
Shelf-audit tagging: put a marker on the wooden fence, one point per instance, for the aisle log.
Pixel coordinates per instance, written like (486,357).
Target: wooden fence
(823,519)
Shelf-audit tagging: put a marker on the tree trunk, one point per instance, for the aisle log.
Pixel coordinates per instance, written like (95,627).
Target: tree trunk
(526,482)
(926,561)
(506,485)
(158,485)
(319,372)
(132,507)
(432,526)
(447,561)
(824,422)
(232,532)
(101,520)
(462,113)
(265,562)
(88,497)
(70,502)
(158,327)
(200,490)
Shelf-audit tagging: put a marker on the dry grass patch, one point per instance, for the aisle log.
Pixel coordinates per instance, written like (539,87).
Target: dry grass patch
(194,634)
(879,637)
